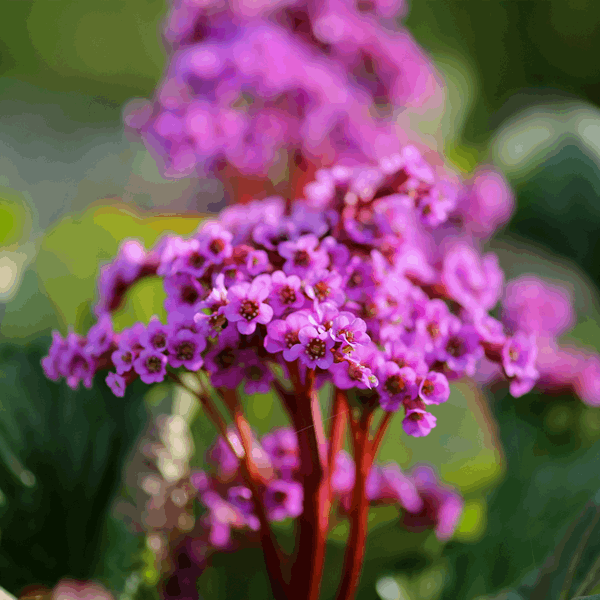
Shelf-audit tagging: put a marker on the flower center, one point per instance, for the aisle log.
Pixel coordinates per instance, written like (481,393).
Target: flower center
(196,260)
(217,322)
(225,358)
(287,295)
(416,416)
(185,350)
(395,385)
(355,280)
(322,290)
(249,309)
(158,341)
(291,339)
(153,364)
(126,358)
(279,497)
(513,354)
(254,373)
(428,387)
(455,347)
(433,329)
(216,246)
(355,372)
(189,294)
(349,334)
(301,258)
(316,349)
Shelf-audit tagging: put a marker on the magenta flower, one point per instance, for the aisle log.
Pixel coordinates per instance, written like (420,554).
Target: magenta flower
(286,293)
(222,360)
(185,349)
(431,330)
(257,374)
(241,497)
(100,337)
(282,447)
(302,256)
(283,335)
(155,335)
(442,507)
(387,483)
(349,330)
(314,348)
(246,304)
(518,356)
(283,499)
(151,366)
(418,422)
(536,306)
(215,242)
(117,384)
(325,286)
(405,356)
(434,388)
(344,473)
(474,282)
(395,385)
(74,363)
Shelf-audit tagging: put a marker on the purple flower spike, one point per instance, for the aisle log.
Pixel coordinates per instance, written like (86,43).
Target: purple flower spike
(117,384)
(286,293)
(151,366)
(282,335)
(246,304)
(418,422)
(395,385)
(302,256)
(185,348)
(283,499)
(314,349)
(518,356)
(434,388)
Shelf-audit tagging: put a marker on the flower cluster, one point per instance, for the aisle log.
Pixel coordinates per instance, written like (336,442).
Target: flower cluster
(370,280)
(249,82)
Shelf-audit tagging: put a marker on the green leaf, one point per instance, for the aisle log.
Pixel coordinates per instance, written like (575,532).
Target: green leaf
(61,457)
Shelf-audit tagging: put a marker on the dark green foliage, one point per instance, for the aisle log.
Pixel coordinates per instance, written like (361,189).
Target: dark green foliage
(62,459)
(547,484)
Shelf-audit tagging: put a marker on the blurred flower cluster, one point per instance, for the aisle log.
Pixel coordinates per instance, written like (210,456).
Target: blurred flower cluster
(248,83)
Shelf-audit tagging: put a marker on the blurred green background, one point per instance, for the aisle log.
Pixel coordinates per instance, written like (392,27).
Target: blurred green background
(523,89)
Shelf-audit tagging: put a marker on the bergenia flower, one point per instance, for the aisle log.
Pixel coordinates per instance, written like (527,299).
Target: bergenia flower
(246,305)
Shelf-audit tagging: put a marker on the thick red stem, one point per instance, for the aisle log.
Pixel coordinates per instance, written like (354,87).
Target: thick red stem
(305,414)
(365,451)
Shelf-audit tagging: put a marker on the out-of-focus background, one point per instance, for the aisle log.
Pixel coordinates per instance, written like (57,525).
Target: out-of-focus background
(523,90)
